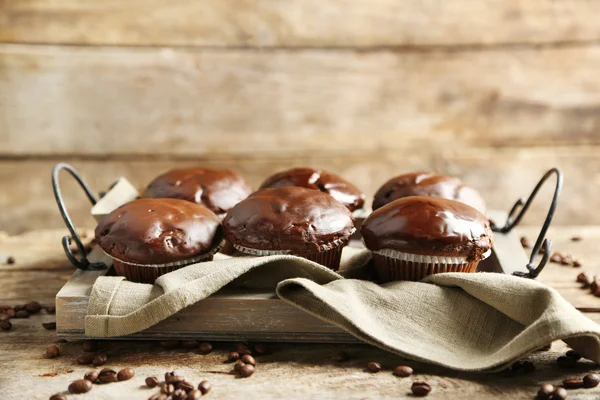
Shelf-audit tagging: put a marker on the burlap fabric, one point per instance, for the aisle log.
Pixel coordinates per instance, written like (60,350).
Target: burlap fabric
(470,322)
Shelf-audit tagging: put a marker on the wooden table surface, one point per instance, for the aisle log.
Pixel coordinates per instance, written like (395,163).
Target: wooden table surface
(289,371)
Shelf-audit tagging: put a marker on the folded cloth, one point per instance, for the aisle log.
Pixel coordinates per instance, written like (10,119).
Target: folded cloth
(470,322)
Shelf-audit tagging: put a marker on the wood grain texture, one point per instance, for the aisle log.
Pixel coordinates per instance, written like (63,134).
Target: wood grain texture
(291,371)
(265,23)
(193,103)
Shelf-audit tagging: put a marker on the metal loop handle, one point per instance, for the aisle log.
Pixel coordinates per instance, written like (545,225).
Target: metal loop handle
(522,206)
(82,263)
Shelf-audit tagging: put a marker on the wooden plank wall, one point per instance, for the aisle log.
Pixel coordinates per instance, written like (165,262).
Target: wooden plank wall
(494,91)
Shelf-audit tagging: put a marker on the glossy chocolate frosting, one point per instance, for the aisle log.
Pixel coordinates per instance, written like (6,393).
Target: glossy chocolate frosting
(217,189)
(159,231)
(326,182)
(427,184)
(288,218)
(429,226)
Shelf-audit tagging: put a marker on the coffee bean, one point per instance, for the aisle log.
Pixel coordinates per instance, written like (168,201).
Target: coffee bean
(373,366)
(90,345)
(591,380)
(51,310)
(566,362)
(33,307)
(174,379)
(167,388)
(125,374)
(525,242)
(107,375)
(91,376)
(577,263)
(152,381)
(19,307)
(189,344)
(572,383)
(169,375)
(85,358)
(205,347)
(169,344)
(52,351)
(545,392)
(58,396)
(204,387)
(261,348)
(420,389)
(22,314)
(99,360)
(585,278)
(576,238)
(4,317)
(51,326)
(248,359)
(403,371)
(595,284)
(573,354)
(233,356)
(556,258)
(179,394)
(80,386)
(194,395)
(559,394)
(528,367)
(160,396)
(566,260)
(341,356)
(242,349)
(5,325)
(247,370)
(184,385)
(10,260)
(238,366)
(11,313)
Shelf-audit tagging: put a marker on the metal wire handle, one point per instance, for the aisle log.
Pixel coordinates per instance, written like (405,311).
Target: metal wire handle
(82,263)
(522,206)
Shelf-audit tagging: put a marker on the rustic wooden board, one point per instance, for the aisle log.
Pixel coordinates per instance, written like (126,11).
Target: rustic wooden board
(102,101)
(300,23)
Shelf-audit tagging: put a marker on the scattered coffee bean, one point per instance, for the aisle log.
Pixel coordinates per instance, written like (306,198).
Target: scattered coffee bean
(577,263)
(205,347)
(4,317)
(33,307)
(179,394)
(248,359)
(51,326)
(242,349)
(167,388)
(90,345)
(189,344)
(22,314)
(125,374)
(160,396)
(566,362)
(58,396)
(261,348)
(585,278)
(576,238)
(184,385)
(152,381)
(247,370)
(11,313)
(573,354)
(373,366)
(525,242)
(194,395)
(91,376)
(556,258)
(545,392)
(238,366)
(595,284)
(85,359)
(233,356)
(169,344)
(99,360)
(52,351)
(566,260)
(204,387)
(572,383)
(591,380)
(11,260)
(528,367)
(341,356)
(5,325)
(403,371)
(107,375)
(80,386)
(19,307)
(169,375)
(175,379)
(51,310)
(559,394)
(420,389)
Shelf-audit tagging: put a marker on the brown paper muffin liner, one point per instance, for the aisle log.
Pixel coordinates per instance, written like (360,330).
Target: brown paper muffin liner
(390,269)
(328,258)
(148,273)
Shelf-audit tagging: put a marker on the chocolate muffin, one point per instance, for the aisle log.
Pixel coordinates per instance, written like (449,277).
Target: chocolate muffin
(217,189)
(290,220)
(416,236)
(326,182)
(147,238)
(427,184)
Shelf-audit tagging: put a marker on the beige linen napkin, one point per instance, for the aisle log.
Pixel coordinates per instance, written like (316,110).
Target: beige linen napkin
(470,322)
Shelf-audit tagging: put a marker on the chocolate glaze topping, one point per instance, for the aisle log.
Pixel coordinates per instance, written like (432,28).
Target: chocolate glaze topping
(427,184)
(332,184)
(430,226)
(288,218)
(217,189)
(159,231)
